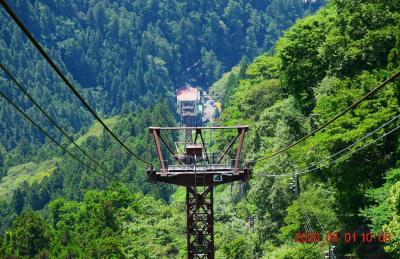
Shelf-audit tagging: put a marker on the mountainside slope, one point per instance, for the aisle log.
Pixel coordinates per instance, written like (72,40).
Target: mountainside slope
(323,64)
(124,54)
(29,172)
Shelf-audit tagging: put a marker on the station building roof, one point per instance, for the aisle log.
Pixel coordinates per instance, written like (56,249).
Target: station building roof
(187,93)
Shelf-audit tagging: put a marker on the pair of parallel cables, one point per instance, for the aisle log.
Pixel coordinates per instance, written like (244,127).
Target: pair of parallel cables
(37,45)
(73,89)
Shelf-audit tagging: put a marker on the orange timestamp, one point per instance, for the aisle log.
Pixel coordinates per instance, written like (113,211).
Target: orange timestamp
(346,237)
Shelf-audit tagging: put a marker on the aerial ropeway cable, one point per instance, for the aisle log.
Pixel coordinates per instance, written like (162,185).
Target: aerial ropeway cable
(54,140)
(37,45)
(351,107)
(327,161)
(24,91)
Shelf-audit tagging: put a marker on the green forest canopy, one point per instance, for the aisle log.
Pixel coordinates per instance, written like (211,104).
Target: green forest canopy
(319,66)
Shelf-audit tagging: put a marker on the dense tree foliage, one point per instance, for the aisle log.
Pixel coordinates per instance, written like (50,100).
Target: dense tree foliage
(120,53)
(106,224)
(71,180)
(127,58)
(321,65)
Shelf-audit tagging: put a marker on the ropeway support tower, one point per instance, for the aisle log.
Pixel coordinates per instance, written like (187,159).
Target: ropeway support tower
(192,166)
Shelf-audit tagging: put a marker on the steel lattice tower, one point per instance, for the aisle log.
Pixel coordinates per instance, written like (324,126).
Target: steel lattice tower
(199,172)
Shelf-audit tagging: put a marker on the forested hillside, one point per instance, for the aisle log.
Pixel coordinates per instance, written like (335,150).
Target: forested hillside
(320,66)
(127,57)
(123,54)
